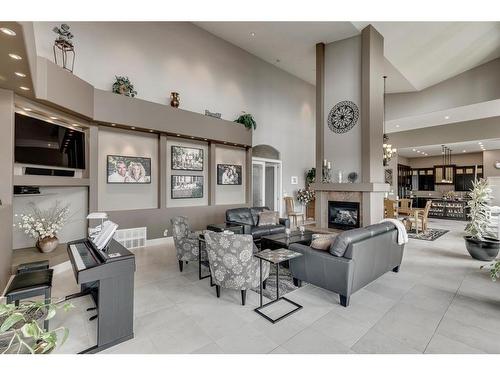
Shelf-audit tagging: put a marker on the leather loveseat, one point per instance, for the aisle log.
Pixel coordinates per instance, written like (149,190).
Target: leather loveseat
(356,258)
(249,219)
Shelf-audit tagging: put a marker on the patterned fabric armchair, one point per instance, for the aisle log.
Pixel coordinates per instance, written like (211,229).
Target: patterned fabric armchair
(232,263)
(186,241)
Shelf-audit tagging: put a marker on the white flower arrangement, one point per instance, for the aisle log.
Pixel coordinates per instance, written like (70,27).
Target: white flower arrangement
(40,224)
(305,196)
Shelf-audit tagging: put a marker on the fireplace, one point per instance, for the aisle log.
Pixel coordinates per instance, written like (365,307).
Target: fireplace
(343,215)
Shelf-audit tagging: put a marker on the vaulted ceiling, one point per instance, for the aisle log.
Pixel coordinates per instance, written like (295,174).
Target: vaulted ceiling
(419,54)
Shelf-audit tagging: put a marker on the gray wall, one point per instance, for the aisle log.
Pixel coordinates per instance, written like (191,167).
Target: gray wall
(477,85)
(489,160)
(6,164)
(127,196)
(343,82)
(475,130)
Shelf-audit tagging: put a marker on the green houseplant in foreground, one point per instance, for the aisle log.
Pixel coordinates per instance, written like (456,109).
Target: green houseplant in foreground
(247,120)
(478,240)
(21,328)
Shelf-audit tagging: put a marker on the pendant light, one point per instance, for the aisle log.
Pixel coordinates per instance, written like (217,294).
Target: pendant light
(386,146)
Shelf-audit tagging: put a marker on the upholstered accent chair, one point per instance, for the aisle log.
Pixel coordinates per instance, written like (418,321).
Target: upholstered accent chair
(186,241)
(232,263)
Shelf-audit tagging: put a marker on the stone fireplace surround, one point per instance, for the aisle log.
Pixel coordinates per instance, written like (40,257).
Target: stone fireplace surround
(368,195)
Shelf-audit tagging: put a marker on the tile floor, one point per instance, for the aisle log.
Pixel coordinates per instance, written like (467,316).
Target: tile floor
(440,302)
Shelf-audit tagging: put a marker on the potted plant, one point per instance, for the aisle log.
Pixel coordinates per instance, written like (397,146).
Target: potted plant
(478,240)
(311,176)
(21,328)
(123,86)
(247,120)
(43,225)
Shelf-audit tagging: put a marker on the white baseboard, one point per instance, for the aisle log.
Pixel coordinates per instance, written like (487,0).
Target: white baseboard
(159,241)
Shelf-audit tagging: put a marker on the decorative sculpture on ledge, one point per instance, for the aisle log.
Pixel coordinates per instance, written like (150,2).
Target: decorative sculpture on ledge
(63,46)
(327,171)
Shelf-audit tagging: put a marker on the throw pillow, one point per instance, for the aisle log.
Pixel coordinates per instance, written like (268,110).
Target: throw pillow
(268,218)
(322,241)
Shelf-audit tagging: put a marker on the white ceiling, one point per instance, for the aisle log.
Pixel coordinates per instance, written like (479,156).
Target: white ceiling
(456,148)
(420,54)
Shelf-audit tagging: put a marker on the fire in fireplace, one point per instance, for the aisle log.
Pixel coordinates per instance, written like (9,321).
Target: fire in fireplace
(343,215)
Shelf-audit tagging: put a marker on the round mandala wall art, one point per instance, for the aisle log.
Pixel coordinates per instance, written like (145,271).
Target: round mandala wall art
(343,116)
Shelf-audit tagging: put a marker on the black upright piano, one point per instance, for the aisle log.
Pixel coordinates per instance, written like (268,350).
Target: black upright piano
(108,275)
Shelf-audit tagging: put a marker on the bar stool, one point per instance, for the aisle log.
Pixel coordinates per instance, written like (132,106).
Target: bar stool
(31,280)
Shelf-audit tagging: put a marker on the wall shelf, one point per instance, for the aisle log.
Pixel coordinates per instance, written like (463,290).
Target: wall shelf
(50,181)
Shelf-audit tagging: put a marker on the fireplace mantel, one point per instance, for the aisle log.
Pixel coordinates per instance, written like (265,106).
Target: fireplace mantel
(362,187)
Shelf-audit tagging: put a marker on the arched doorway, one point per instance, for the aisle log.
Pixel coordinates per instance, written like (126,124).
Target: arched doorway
(267,177)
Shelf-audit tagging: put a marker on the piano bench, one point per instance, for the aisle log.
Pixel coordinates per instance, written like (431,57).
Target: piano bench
(33,266)
(30,284)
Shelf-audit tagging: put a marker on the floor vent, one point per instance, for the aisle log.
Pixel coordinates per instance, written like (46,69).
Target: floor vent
(131,238)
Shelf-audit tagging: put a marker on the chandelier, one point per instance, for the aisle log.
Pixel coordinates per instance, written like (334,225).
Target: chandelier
(389,151)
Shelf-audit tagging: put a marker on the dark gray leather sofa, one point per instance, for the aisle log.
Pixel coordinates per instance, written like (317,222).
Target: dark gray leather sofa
(356,258)
(249,218)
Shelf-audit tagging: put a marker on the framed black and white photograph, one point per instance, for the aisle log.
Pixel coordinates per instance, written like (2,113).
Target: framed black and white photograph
(186,187)
(128,170)
(187,158)
(228,174)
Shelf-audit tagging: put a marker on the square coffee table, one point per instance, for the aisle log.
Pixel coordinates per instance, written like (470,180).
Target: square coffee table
(281,240)
(275,257)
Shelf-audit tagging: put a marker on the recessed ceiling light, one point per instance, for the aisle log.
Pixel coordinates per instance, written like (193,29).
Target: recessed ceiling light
(19,74)
(53,117)
(446,117)
(418,151)
(27,109)
(479,143)
(7,31)
(192,137)
(397,126)
(24,88)
(132,127)
(205,139)
(464,151)
(14,56)
(252,33)
(113,124)
(178,135)
(151,130)
(414,150)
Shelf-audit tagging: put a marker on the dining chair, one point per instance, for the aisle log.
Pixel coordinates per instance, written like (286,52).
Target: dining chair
(405,206)
(390,209)
(290,210)
(421,215)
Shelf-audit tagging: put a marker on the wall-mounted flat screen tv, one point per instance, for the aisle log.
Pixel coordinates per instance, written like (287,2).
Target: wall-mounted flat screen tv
(43,143)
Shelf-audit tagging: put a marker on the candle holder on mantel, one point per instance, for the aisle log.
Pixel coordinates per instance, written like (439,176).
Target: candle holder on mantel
(327,171)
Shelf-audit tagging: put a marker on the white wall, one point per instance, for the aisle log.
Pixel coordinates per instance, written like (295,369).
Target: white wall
(230,194)
(343,82)
(193,201)
(116,197)
(76,224)
(208,72)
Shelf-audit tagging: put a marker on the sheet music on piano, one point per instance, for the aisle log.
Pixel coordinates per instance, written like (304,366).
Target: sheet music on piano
(107,232)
